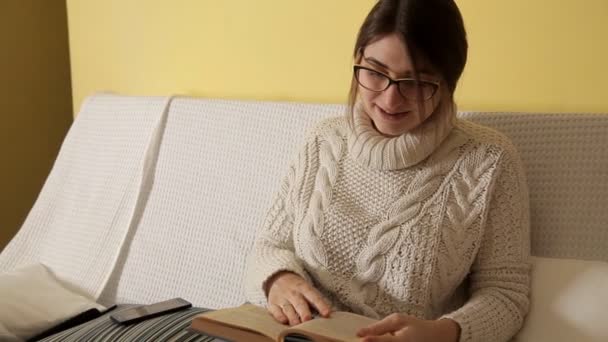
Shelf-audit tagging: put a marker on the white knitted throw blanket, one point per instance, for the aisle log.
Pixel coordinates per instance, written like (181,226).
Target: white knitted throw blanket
(81,218)
(433,223)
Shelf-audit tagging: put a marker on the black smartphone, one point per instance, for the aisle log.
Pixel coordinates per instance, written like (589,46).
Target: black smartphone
(140,313)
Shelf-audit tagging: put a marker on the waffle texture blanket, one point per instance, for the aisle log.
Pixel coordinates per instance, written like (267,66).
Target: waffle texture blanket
(79,222)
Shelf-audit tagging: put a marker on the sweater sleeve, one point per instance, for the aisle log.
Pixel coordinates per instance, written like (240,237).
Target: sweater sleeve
(273,250)
(500,275)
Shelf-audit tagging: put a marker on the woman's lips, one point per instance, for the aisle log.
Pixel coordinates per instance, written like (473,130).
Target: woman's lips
(392,116)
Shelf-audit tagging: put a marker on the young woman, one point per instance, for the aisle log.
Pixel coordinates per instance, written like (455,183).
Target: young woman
(399,210)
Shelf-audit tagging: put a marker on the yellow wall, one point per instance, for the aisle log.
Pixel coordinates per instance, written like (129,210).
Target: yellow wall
(35,102)
(526,55)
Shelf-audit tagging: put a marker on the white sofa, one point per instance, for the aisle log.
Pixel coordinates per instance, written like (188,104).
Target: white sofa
(152,198)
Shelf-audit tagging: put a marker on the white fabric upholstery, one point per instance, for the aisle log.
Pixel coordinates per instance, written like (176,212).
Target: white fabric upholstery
(221,161)
(569,301)
(566,161)
(170,208)
(219,165)
(81,217)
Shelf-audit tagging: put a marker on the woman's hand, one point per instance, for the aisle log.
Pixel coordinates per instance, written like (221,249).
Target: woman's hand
(405,328)
(290,299)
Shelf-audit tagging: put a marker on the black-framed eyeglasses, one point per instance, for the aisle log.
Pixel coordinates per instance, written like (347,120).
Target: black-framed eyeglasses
(409,88)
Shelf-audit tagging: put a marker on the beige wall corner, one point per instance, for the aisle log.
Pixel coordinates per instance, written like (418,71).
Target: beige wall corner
(35,102)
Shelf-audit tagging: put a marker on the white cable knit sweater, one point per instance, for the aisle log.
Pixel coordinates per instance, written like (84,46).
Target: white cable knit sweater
(434,223)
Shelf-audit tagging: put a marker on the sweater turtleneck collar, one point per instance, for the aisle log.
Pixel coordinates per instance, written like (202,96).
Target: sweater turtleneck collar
(377,151)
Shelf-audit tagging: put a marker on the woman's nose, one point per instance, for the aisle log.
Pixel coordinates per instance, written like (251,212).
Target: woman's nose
(392,98)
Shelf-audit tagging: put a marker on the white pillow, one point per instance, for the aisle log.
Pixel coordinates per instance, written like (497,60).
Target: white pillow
(32,300)
(569,301)
(6,336)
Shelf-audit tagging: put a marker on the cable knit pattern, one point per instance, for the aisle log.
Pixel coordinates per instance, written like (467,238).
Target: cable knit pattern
(440,229)
(329,153)
(382,237)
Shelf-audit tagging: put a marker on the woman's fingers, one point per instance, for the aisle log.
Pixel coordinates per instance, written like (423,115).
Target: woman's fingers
(290,311)
(314,297)
(389,324)
(278,314)
(302,307)
(290,299)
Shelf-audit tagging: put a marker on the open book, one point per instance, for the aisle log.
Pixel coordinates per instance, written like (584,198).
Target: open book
(252,323)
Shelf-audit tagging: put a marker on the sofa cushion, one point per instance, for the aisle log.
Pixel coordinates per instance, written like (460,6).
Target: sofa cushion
(33,300)
(170,327)
(569,301)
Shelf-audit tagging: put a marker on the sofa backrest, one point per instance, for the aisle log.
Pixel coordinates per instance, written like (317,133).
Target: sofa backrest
(221,161)
(566,162)
(218,166)
(202,176)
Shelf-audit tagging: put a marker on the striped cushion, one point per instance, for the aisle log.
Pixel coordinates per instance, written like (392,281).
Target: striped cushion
(171,327)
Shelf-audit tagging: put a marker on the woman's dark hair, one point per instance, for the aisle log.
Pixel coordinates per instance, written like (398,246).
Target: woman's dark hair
(431,29)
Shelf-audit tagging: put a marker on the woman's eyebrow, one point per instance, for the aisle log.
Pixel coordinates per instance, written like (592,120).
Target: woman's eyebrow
(409,73)
(376,62)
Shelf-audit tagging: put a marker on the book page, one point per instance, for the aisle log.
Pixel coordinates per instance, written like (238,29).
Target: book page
(247,317)
(340,326)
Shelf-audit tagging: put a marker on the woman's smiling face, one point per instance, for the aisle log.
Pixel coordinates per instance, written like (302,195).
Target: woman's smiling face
(392,113)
